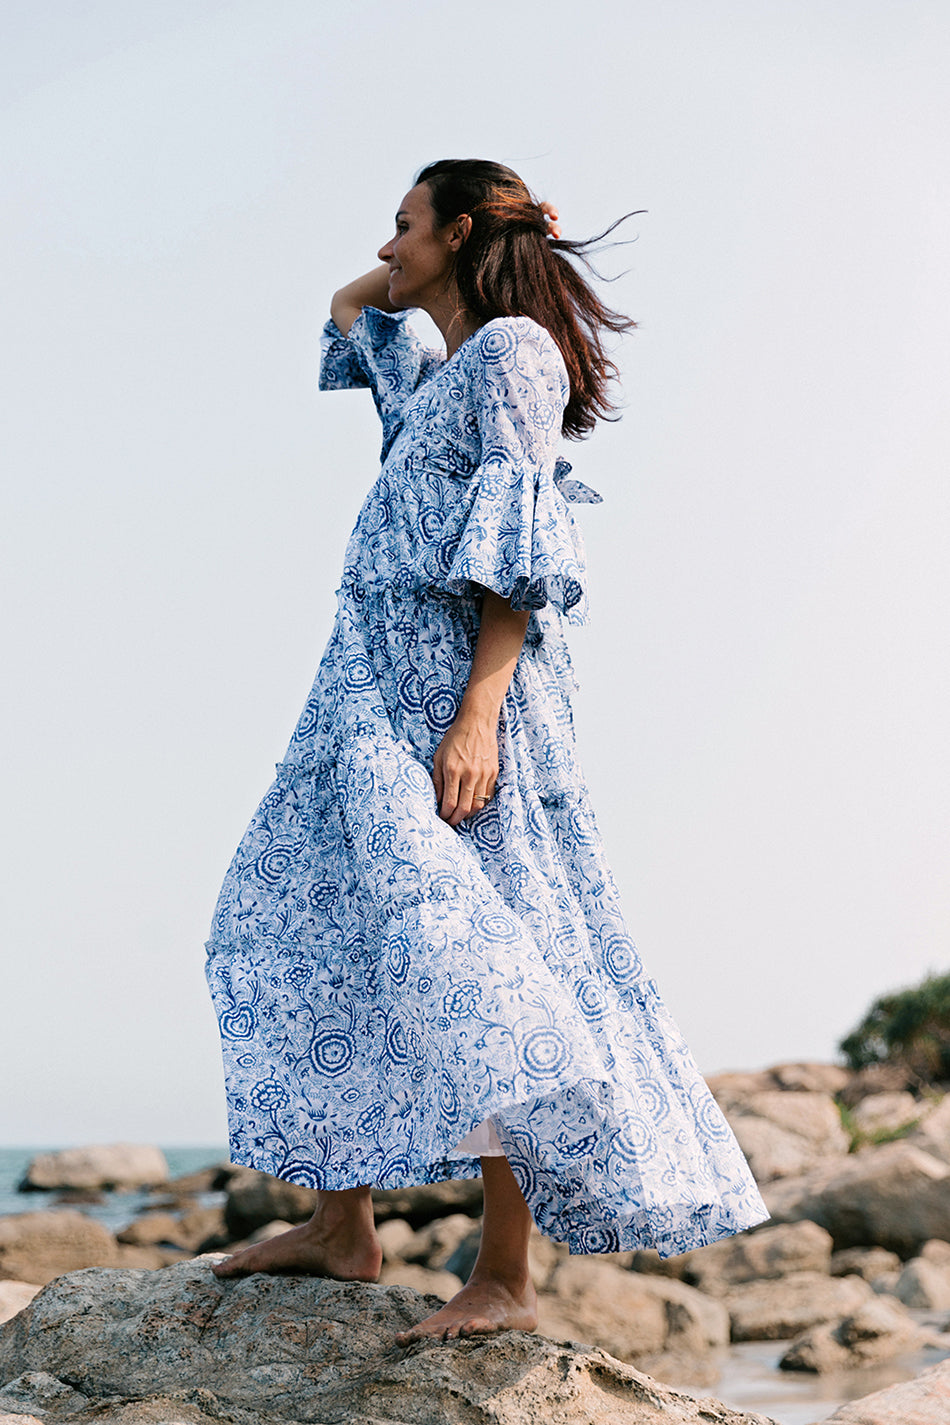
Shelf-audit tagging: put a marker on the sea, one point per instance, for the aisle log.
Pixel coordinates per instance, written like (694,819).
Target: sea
(117,1209)
(749,1378)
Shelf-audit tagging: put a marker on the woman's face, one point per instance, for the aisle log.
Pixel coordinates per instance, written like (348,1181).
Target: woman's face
(420,257)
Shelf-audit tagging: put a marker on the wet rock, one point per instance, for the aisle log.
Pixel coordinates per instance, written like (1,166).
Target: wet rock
(924,1401)
(38,1246)
(642,1319)
(14,1296)
(784,1133)
(866,1262)
(111,1167)
(213,1179)
(767,1254)
(180,1345)
(924,1286)
(886,1113)
(876,1332)
(777,1310)
(894,1196)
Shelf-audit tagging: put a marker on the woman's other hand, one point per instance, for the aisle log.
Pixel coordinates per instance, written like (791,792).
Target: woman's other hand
(465,766)
(550,212)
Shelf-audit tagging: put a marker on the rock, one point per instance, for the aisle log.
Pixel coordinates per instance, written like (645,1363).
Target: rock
(648,1261)
(544,1258)
(150,1229)
(776,1310)
(766,1254)
(894,1196)
(434,1244)
(113,1166)
(269,1230)
(736,1087)
(886,1283)
(14,1296)
(394,1236)
(202,1229)
(876,1078)
(427,1282)
(213,1179)
(923,1286)
(38,1246)
(876,1332)
(924,1401)
(254,1199)
(784,1133)
(932,1133)
(419,1205)
(638,1318)
(866,1262)
(149,1259)
(936,1251)
(882,1113)
(270,1349)
(811,1078)
(37,1390)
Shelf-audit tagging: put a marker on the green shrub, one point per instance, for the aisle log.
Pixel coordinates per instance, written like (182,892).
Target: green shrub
(910,1027)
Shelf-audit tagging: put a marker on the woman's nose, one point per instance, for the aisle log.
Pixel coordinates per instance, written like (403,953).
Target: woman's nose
(386,251)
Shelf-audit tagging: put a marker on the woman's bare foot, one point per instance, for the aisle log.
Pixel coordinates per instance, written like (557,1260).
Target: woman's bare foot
(339,1241)
(483,1306)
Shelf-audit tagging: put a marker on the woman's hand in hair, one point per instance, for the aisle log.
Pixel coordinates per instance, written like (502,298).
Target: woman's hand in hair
(550,212)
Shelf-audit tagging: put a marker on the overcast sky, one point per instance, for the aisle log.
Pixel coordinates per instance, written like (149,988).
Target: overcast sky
(764,706)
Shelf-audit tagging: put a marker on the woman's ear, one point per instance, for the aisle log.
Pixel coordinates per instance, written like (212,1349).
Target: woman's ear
(461,229)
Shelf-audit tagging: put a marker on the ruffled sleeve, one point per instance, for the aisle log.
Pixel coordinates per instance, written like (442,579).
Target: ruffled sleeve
(380,351)
(519,538)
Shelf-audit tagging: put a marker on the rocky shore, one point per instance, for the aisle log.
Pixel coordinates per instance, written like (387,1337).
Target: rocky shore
(853,1270)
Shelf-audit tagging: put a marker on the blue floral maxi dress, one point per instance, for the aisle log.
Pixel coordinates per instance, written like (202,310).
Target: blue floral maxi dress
(386,983)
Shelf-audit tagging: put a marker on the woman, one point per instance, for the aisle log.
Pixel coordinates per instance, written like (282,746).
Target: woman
(418,958)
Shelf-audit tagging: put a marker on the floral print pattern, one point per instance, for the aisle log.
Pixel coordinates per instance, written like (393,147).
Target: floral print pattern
(385,983)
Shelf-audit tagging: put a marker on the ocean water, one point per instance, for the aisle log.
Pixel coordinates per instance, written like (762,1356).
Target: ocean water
(117,1208)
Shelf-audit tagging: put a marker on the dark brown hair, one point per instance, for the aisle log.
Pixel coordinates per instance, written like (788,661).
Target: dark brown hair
(509,267)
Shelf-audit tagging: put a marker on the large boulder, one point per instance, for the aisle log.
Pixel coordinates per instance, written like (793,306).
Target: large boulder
(419,1205)
(777,1310)
(649,1320)
(184,1346)
(38,1246)
(767,1254)
(112,1166)
(786,1132)
(876,1332)
(894,1196)
(867,1262)
(924,1401)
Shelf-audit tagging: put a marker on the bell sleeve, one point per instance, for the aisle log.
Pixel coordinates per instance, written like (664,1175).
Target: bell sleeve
(380,351)
(519,538)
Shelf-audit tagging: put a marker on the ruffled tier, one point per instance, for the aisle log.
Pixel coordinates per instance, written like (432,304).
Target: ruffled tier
(384,983)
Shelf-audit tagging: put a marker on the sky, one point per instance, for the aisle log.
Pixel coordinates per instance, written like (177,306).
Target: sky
(763,709)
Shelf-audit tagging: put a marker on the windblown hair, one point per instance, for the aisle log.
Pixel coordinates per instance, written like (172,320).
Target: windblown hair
(509,267)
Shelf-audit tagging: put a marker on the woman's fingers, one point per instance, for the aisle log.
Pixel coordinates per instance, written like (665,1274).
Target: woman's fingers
(550,212)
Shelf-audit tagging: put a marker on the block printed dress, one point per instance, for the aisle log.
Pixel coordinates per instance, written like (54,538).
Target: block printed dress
(387,985)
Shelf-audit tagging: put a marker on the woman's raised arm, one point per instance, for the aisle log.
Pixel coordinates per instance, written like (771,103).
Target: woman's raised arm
(370,290)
